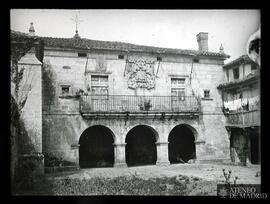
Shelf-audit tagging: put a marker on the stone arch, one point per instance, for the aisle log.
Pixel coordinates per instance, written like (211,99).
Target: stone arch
(155,132)
(96,147)
(190,127)
(182,146)
(141,145)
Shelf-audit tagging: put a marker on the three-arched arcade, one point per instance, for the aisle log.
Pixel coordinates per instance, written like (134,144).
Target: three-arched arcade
(98,146)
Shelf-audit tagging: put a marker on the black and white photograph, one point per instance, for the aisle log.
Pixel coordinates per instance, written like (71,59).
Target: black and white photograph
(135,102)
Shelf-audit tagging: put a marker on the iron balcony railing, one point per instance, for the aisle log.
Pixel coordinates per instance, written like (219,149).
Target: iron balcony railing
(131,103)
(244,118)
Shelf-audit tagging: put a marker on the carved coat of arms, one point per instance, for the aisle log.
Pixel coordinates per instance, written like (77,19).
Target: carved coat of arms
(140,74)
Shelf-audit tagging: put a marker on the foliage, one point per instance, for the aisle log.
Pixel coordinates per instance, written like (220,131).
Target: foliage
(146,105)
(119,186)
(227,176)
(27,176)
(48,88)
(122,185)
(51,160)
(20,45)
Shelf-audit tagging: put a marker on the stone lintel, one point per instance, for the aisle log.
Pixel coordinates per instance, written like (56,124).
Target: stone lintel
(162,143)
(75,146)
(199,142)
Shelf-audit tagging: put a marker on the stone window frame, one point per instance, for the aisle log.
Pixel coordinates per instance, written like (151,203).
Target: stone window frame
(206,93)
(209,98)
(66,67)
(89,76)
(182,86)
(176,76)
(65,85)
(121,56)
(102,75)
(82,54)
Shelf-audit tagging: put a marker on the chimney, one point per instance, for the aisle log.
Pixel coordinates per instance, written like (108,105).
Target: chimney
(202,39)
(31,29)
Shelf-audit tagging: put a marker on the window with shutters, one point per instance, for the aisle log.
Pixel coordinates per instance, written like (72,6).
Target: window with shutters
(177,92)
(99,92)
(99,85)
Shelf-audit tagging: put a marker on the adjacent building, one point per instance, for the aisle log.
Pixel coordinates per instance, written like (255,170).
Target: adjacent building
(241,105)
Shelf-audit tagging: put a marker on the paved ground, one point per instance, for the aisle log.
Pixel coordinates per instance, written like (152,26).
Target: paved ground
(209,172)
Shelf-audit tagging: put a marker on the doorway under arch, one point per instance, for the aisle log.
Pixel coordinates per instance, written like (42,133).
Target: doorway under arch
(141,148)
(181,144)
(96,147)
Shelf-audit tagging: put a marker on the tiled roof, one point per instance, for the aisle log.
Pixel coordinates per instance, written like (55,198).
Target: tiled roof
(244,59)
(83,43)
(16,35)
(247,79)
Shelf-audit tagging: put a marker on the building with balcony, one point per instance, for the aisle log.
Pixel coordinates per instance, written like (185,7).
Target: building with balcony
(120,104)
(241,106)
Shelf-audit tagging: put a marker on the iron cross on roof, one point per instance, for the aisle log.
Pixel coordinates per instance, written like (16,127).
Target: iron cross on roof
(77,21)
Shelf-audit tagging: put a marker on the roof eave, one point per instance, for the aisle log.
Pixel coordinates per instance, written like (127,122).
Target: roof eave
(231,85)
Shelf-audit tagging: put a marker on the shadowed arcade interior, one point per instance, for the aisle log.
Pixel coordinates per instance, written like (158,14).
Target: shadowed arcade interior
(96,147)
(181,145)
(141,147)
(245,144)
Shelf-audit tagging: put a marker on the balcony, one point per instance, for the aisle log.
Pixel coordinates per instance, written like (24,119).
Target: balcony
(244,118)
(122,104)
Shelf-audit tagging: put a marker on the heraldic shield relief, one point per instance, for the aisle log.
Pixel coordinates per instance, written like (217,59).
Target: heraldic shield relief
(140,73)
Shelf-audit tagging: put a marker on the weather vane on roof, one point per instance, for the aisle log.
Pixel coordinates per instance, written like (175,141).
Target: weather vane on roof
(77,21)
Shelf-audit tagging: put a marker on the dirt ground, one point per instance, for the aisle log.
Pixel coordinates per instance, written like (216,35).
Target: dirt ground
(207,172)
(197,179)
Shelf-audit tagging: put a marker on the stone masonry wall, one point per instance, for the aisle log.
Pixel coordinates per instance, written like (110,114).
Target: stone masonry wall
(31,116)
(63,124)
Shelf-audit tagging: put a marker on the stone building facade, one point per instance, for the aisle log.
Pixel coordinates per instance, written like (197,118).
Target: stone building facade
(120,104)
(241,96)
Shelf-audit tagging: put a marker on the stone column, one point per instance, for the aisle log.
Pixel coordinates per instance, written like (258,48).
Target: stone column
(75,150)
(162,153)
(119,155)
(199,147)
(31,116)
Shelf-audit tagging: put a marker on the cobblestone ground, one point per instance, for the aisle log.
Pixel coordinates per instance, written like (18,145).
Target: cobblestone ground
(208,172)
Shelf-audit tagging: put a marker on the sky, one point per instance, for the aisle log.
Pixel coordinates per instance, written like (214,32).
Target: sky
(161,28)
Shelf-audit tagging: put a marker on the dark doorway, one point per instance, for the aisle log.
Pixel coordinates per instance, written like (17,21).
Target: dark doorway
(96,147)
(181,145)
(141,147)
(254,147)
